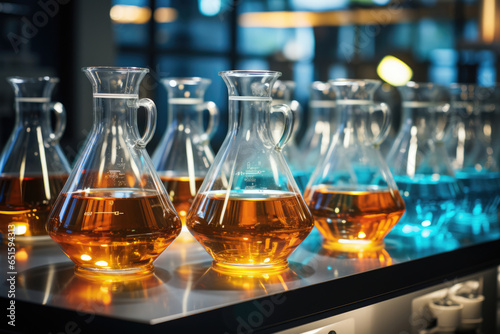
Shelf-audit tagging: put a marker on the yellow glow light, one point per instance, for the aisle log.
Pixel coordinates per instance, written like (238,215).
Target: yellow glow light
(285,19)
(85,257)
(488,21)
(20,229)
(394,71)
(361,235)
(21,255)
(130,14)
(101,263)
(166,15)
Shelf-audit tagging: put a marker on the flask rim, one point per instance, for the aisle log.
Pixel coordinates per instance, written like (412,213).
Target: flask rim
(250,73)
(187,80)
(115,69)
(21,79)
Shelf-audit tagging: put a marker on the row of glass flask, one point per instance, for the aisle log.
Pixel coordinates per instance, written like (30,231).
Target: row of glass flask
(117,209)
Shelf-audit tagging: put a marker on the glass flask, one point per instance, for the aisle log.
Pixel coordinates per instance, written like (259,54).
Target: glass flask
(184,155)
(282,93)
(420,164)
(352,195)
(249,214)
(473,159)
(321,124)
(113,215)
(33,168)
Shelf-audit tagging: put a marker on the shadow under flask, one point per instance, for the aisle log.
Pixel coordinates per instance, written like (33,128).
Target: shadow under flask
(473,159)
(249,214)
(33,168)
(321,125)
(282,93)
(352,195)
(184,155)
(420,164)
(113,215)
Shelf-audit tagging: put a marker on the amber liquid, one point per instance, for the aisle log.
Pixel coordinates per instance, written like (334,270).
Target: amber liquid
(249,229)
(113,230)
(26,202)
(355,216)
(181,194)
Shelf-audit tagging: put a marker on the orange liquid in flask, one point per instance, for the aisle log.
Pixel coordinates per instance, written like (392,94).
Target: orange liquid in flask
(249,229)
(26,202)
(113,229)
(362,217)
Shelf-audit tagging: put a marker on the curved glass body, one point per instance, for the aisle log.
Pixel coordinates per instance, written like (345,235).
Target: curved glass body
(352,195)
(183,156)
(33,168)
(113,215)
(471,149)
(420,165)
(249,214)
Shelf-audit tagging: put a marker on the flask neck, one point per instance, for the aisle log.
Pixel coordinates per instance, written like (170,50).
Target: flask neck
(249,116)
(33,113)
(115,115)
(186,111)
(354,125)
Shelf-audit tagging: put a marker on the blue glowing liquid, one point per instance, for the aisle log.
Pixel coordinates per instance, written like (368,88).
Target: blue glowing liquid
(431,203)
(479,210)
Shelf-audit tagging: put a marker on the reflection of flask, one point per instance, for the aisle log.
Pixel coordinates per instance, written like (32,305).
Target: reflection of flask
(321,125)
(473,159)
(419,162)
(33,167)
(282,93)
(184,154)
(351,194)
(248,213)
(113,215)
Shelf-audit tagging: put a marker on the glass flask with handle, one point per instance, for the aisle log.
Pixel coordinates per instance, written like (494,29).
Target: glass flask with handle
(184,155)
(421,167)
(113,216)
(352,195)
(33,168)
(249,214)
(473,158)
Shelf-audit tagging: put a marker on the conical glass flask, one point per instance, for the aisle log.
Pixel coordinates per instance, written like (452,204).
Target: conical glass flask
(249,213)
(113,215)
(321,125)
(184,155)
(420,165)
(352,195)
(283,93)
(33,168)
(473,158)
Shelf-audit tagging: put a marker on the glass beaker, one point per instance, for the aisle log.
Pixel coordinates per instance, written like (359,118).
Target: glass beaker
(283,93)
(420,164)
(113,215)
(473,159)
(249,213)
(352,195)
(321,124)
(33,168)
(184,155)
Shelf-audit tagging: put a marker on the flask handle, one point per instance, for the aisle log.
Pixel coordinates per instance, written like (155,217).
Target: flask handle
(150,106)
(213,121)
(287,126)
(386,122)
(60,125)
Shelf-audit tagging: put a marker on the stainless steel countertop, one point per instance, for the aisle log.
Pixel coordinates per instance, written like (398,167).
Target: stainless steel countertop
(183,283)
